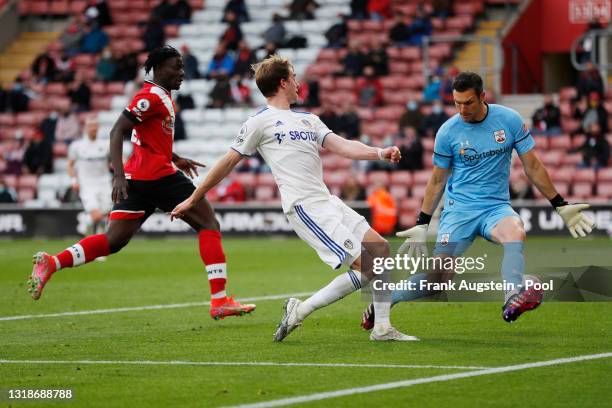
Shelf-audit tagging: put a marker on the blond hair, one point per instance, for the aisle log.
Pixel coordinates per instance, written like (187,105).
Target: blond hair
(269,72)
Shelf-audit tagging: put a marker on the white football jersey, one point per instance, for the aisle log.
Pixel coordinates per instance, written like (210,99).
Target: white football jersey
(289,142)
(91,159)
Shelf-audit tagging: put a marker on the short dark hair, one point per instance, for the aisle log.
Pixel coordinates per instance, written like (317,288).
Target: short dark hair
(468,80)
(159,55)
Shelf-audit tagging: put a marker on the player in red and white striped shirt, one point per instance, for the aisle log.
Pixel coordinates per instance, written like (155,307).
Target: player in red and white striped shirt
(149,180)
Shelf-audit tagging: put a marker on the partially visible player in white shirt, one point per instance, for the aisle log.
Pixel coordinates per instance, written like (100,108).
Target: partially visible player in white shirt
(88,168)
(289,142)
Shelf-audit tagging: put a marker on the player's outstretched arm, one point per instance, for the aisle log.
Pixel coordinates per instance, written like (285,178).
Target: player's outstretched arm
(355,150)
(578,224)
(217,173)
(121,130)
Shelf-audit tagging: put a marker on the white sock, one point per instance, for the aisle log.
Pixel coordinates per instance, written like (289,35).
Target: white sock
(382,310)
(341,286)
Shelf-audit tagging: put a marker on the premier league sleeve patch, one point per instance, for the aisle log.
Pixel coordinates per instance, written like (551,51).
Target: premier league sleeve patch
(143,104)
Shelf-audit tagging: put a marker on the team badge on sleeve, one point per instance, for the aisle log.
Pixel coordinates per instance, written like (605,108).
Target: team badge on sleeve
(306,123)
(500,136)
(143,105)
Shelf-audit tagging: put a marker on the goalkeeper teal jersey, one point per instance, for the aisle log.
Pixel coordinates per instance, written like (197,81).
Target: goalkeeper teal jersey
(479,155)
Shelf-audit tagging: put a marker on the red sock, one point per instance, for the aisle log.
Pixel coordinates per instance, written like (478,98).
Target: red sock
(86,250)
(213,257)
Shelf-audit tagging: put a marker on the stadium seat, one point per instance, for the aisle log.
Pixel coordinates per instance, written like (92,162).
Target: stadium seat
(378,177)
(401,177)
(7,119)
(398,191)
(560,142)
(582,189)
(605,189)
(26,194)
(552,159)
(265,179)
(418,191)
(562,174)
(421,177)
(587,175)
(264,193)
(27,181)
(604,175)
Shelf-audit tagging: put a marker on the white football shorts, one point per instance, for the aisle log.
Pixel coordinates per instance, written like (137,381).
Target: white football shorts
(96,197)
(332,228)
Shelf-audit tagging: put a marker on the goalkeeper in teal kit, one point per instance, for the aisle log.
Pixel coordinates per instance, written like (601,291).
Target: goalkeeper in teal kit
(472,160)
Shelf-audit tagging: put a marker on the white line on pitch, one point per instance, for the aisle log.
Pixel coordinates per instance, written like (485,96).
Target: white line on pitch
(235,363)
(152,307)
(407,383)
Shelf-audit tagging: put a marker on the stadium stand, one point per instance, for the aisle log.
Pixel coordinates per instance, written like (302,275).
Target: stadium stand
(209,131)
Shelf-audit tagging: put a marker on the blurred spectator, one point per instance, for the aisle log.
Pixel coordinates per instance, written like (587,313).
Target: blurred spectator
(432,89)
(229,190)
(411,149)
(232,34)
(48,126)
(433,121)
(19,96)
(221,64)
(179,124)
(302,9)
(441,8)
(379,9)
(94,39)
(352,190)
(68,127)
(353,61)
(268,50)
(520,189)
(71,38)
(596,149)
(181,12)
(349,123)
(378,58)
(65,69)
(245,57)
(4,99)
(412,116)
(276,33)
(106,66)
(38,156)
(97,12)
(329,117)
(163,11)
(359,9)
(400,32)
(240,92)
(384,209)
(337,34)
(593,112)
(43,68)
(419,27)
(154,35)
(547,119)
(185,101)
(13,155)
(369,89)
(80,94)
(220,94)
(7,194)
(239,8)
(590,81)
(192,69)
(127,67)
(446,86)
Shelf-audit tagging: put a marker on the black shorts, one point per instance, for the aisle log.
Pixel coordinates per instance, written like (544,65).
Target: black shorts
(144,196)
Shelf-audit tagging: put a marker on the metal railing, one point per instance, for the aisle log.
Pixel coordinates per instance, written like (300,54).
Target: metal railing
(599,42)
(484,70)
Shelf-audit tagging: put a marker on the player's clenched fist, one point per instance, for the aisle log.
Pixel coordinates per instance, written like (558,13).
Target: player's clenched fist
(390,154)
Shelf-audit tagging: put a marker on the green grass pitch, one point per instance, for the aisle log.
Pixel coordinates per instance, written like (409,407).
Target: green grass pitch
(164,272)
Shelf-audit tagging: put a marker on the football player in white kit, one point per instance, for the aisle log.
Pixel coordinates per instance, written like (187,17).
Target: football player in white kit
(88,168)
(289,142)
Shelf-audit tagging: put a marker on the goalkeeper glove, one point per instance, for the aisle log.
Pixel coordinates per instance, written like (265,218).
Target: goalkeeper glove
(416,237)
(579,225)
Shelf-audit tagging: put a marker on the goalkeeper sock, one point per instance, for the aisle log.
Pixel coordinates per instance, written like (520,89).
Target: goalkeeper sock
(86,250)
(407,295)
(211,252)
(513,266)
(341,286)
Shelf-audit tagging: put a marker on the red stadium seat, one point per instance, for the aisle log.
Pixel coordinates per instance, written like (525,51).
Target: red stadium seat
(418,191)
(428,144)
(582,189)
(26,194)
(97,87)
(56,88)
(407,219)
(28,119)
(605,189)
(265,179)
(562,174)
(398,191)
(59,8)
(421,177)
(372,26)
(561,142)
(587,175)
(378,177)
(389,113)
(552,159)
(264,193)
(401,177)
(27,181)
(7,119)
(77,7)
(335,178)
(60,149)
(573,159)
(115,88)
(567,94)
(345,83)
(604,174)
(248,180)
(578,141)
(171,30)
(410,53)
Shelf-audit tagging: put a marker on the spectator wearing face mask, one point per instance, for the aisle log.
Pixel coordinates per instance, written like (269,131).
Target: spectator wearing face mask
(547,119)
(411,149)
(412,116)
(435,119)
